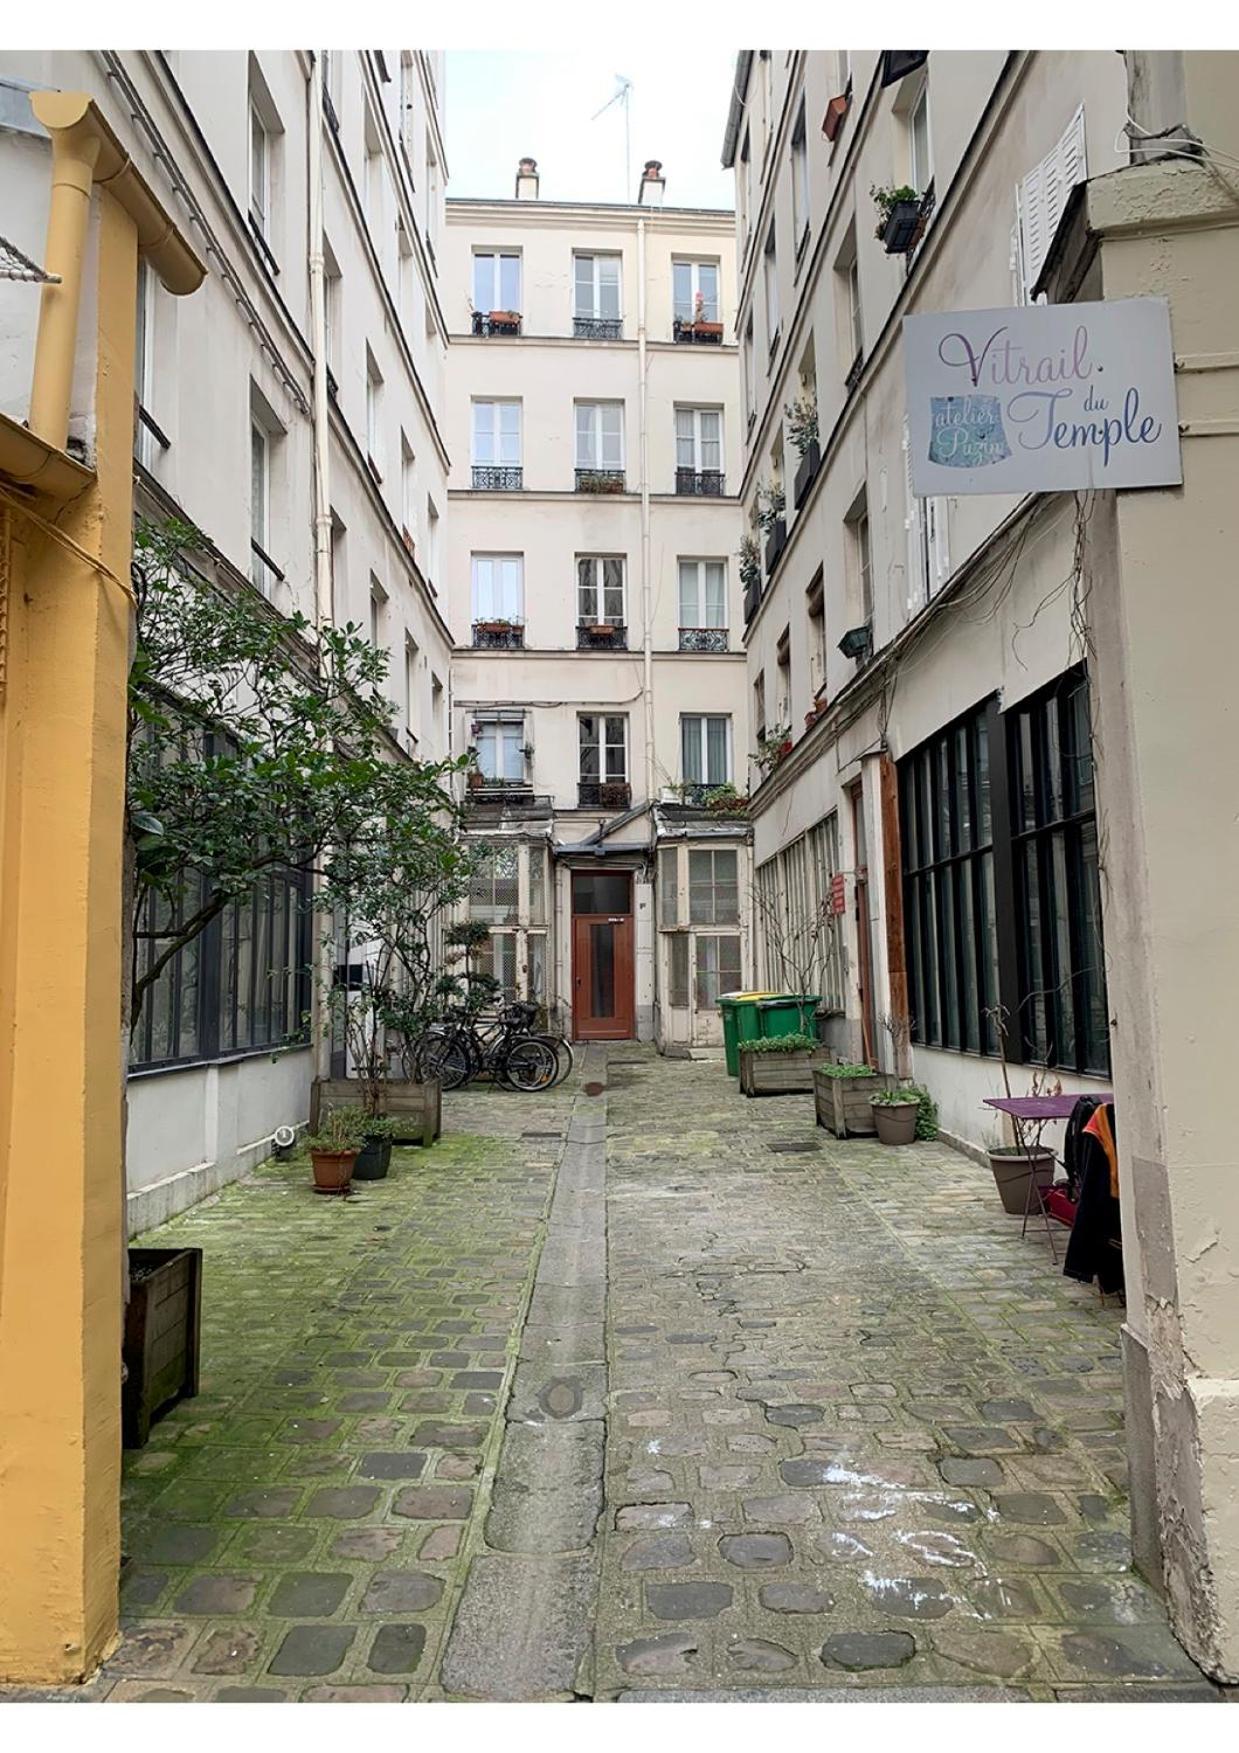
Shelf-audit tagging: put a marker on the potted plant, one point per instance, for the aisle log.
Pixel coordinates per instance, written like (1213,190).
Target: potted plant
(842,1096)
(778,1065)
(899,210)
(895,1113)
(334,1149)
(801,416)
(1013,1167)
(771,503)
(374,1157)
(772,747)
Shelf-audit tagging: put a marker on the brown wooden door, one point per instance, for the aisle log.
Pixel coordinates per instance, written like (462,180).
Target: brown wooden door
(864,938)
(603,989)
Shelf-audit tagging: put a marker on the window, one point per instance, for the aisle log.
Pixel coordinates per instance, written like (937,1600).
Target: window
(242,984)
(1062,984)
(374,414)
(783,662)
(677,970)
(260,174)
(143,354)
(703,593)
(800,182)
(603,747)
(669,887)
(497,444)
(860,561)
(705,750)
(750,398)
(855,319)
(770,271)
(408,86)
(596,297)
(927,524)
(432,540)
(494,887)
(798,926)
(718,969)
(261,569)
(600,589)
(496,281)
(744,191)
(497,960)
(759,707)
(333,294)
(498,587)
(815,607)
(1039,202)
(599,438)
(850,326)
(919,164)
(713,888)
(410,685)
(408,493)
(695,292)
(699,450)
(500,744)
(947,837)
(378,614)
(432,197)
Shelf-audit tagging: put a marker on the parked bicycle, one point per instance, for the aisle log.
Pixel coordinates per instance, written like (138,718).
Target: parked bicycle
(464,1045)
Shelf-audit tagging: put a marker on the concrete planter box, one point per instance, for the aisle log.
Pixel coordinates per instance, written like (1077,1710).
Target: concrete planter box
(843,1103)
(776,1074)
(415,1107)
(162,1325)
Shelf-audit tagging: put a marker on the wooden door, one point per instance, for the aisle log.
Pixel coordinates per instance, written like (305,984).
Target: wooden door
(864,938)
(603,988)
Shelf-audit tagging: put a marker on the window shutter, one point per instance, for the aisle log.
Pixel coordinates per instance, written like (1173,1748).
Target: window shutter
(917,583)
(1041,198)
(936,514)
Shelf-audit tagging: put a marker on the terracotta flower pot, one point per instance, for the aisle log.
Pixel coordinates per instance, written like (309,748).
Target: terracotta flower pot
(333,1170)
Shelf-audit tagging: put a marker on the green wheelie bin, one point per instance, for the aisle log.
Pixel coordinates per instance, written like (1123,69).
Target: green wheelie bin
(739,1023)
(788,1013)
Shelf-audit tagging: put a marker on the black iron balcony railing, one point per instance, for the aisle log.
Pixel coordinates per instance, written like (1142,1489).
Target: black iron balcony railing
(690,330)
(703,639)
(601,636)
(599,480)
(699,483)
(598,328)
(604,794)
(496,322)
(497,478)
(498,635)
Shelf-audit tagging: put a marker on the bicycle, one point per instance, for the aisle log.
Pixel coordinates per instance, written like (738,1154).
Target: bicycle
(460,1047)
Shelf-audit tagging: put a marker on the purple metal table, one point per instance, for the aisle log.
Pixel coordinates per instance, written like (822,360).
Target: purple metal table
(1037,1112)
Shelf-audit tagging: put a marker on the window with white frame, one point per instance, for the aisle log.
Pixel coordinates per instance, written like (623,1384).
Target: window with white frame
(855,317)
(718,968)
(496,281)
(374,414)
(603,747)
(677,970)
(669,886)
(770,271)
(713,886)
(699,443)
(744,189)
(600,589)
(260,173)
(500,745)
(496,435)
(862,558)
(920,165)
(410,685)
(408,88)
(600,435)
(378,614)
(596,292)
(499,587)
(926,522)
(694,286)
(260,504)
(800,180)
(750,400)
(333,292)
(143,357)
(508,893)
(705,748)
(703,593)
(408,492)
(494,887)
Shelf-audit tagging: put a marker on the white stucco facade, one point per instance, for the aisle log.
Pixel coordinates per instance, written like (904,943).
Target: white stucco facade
(596,444)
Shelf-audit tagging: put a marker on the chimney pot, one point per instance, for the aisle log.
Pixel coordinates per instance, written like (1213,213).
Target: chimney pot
(527,179)
(653,184)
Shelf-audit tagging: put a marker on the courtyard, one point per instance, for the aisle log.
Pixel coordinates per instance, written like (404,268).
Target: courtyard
(638,1390)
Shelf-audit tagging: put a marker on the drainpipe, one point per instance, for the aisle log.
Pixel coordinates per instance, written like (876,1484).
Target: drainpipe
(647,586)
(323,604)
(75,153)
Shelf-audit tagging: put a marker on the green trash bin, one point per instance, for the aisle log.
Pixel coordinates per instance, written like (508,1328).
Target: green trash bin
(787,1013)
(739,1014)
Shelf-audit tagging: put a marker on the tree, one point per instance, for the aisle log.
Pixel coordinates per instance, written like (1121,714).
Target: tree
(251,752)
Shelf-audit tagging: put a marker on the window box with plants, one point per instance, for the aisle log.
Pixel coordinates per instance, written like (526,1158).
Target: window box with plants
(802,434)
(771,505)
(750,575)
(843,1094)
(899,212)
(778,1065)
(903,1113)
(774,745)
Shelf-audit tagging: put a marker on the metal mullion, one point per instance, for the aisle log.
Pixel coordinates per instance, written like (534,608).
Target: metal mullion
(1000,763)
(1073,863)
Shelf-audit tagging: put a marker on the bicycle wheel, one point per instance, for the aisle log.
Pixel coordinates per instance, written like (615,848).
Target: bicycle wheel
(562,1051)
(447,1058)
(529,1065)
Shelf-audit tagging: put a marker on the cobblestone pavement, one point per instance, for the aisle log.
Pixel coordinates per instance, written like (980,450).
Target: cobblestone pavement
(638,1390)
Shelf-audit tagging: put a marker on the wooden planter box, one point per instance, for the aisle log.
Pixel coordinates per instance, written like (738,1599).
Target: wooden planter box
(843,1103)
(162,1326)
(776,1074)
(415,1107)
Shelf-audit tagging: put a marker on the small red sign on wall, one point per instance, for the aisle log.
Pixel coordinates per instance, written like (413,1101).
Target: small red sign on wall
(838,902)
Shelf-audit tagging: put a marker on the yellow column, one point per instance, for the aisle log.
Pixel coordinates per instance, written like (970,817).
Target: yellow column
(62,748)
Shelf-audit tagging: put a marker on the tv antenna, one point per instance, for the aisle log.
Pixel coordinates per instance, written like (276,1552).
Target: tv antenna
(623,88)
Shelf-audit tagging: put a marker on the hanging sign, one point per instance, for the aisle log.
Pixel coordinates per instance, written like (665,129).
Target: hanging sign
(1042,398)
(838,902)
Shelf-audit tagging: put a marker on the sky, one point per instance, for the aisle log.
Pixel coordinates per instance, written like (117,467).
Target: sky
(507,105)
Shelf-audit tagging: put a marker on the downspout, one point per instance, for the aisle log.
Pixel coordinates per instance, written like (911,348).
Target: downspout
(324,608)
(647,587)
(75,153)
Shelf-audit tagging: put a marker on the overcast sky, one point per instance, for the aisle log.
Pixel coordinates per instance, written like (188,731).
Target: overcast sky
(508,105)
